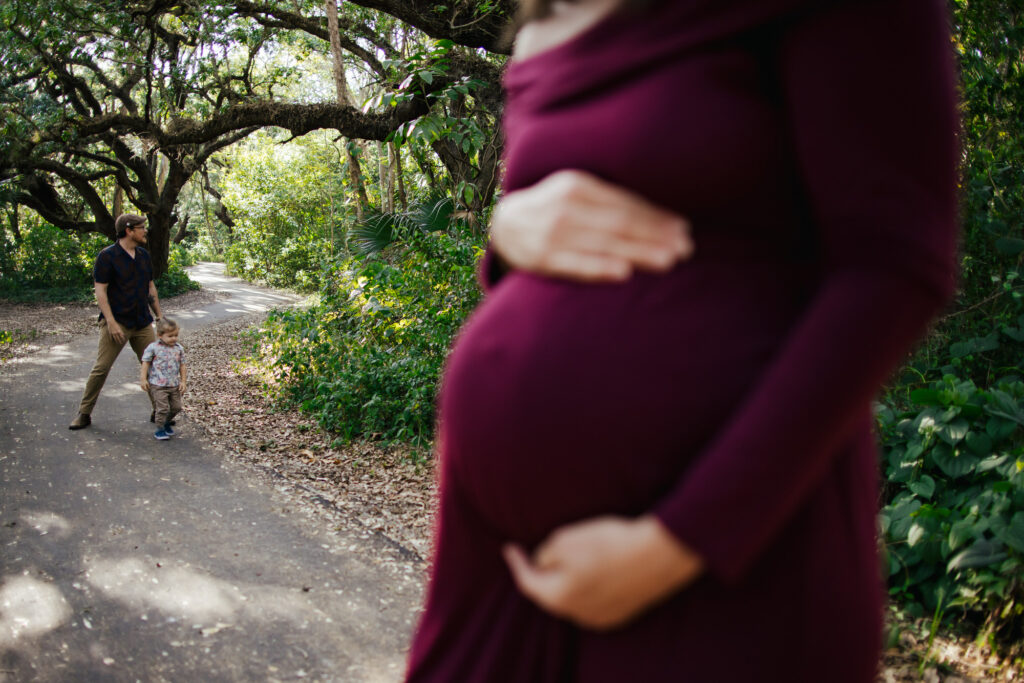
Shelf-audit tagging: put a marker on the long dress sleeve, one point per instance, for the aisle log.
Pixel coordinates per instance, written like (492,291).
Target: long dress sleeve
(868,92)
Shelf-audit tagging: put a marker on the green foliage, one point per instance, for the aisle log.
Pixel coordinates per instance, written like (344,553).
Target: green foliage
(67,64)
(367,359)
(953,520)
(954,513)
(989,41)
(49,264)
(176,281)
(293,262)
(982,350)
(181,257)
(379,230)
(284,200)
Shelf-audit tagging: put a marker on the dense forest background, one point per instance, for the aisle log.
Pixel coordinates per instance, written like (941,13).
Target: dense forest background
(352,150)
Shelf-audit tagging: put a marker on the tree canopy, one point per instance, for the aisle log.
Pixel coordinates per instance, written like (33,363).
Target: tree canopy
(106,105)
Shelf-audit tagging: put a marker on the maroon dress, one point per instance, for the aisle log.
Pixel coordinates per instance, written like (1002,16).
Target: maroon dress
(812,146)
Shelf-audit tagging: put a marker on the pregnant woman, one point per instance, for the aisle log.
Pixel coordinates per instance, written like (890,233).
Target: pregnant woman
(658,465)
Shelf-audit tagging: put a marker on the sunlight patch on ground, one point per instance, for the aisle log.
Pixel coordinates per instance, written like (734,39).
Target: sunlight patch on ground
(125,389)
(28,608)
(191,316)
(182,592)
(63,351)
(46,523)
(375,670)
(73,386)
(177,591)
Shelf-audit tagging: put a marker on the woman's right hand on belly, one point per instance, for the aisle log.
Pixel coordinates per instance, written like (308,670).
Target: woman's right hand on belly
(576,226)
(602,572)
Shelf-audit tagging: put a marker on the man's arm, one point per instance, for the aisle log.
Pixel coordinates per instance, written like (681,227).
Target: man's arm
(112,326)
(154,300)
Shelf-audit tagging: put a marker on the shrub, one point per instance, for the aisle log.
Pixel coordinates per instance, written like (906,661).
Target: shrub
(291,262)
(50,264)
(286,204)
(366,360)
(176,281)
(953,521)
(181,256)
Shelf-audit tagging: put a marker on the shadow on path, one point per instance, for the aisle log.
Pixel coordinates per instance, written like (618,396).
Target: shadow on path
(123,558)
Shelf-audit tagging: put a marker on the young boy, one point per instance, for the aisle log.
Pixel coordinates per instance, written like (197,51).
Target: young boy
(163,363)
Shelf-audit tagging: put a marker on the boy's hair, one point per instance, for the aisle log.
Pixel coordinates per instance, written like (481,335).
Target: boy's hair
(165,325)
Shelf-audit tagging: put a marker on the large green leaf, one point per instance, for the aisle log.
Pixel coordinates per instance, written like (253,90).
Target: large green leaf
(960,533)
(1004,405)
(954,432)
(926,397)
(981,554)
(1011,246)
(989,342)
(924,487)
(999,428)
(1013,534)
(954,462)
(979,443)
(992,462)
(916,535)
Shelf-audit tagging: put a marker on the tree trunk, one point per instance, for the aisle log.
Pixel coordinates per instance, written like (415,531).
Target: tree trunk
(387,203)
(340,83)
(396,172)
(355,176)
(484,176)
(15,220)
(163,168)
(118,207)
(219,210)
(162,217)
(344,96)
(159,240)
(424,165)
(182,231)
(393,174)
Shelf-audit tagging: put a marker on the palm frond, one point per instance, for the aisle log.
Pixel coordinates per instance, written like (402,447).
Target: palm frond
(433,214)
(374,234)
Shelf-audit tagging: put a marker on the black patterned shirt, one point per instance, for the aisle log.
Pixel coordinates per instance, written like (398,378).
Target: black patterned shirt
(127,281)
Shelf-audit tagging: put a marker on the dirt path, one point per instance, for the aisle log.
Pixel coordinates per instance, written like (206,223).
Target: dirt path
(126,558)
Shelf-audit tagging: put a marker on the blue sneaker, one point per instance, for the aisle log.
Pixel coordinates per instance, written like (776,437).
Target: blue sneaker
(167,429)
(161,435)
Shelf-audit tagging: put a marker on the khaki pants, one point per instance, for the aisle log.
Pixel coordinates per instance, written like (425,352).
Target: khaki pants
(166,403)
(106,354)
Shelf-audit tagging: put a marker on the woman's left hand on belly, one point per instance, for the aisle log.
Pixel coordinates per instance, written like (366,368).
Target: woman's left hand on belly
(575,226)
(602,572)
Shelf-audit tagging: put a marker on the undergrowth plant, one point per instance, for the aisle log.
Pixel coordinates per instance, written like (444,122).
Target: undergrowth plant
(953,519)
(366,360)
(176,281)
(51,264)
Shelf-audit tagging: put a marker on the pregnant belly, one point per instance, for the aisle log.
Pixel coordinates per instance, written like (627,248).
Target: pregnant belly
(563,401)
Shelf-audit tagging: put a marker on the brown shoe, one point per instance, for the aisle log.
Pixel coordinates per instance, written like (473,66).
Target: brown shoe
(80,422)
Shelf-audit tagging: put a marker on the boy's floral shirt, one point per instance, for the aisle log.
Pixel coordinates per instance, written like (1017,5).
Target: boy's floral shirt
(165,363)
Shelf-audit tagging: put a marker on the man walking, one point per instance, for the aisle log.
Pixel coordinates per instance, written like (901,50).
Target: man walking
(125,292)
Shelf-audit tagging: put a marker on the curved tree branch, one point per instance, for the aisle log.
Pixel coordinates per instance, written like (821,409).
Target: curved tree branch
(458,21)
